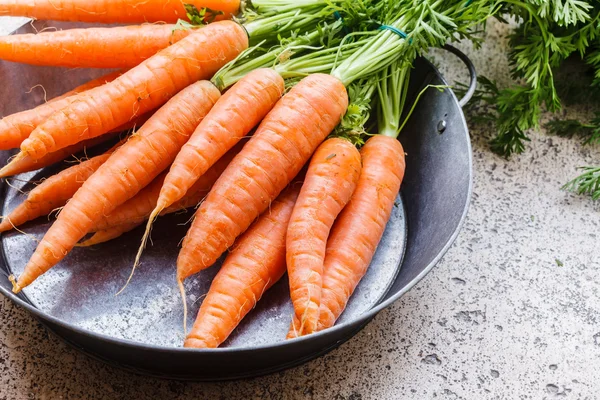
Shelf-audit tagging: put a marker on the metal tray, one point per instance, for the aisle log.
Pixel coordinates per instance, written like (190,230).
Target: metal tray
(141,329)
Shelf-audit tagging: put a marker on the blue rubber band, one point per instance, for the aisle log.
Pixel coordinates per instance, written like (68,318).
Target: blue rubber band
(338,17)
(397,31)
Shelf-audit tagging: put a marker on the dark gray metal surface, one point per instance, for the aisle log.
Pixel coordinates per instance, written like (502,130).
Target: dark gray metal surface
(81,289)
(139,329)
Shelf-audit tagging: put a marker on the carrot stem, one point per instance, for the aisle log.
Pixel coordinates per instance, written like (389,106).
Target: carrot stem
(391,89)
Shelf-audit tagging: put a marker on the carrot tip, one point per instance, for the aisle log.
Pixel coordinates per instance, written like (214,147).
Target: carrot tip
(8,169)
(5,171)
(5,225)
(16,288)
(182,292)
(138,256)
(86,243)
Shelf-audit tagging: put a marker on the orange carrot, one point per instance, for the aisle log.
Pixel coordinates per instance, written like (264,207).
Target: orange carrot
(107,11)
(17,127)
(133,166)
(281,146)
(139,90)
(256,262)
(117,47)
(240,109)
(52,193)
(108,234)
(359,228)
(27,164)
(330,181)
(139,208)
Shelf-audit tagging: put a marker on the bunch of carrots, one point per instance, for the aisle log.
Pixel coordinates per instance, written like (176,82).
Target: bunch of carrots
(261,123)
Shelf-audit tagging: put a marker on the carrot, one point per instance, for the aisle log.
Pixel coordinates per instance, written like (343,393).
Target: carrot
(106,11)
(133,166)
(139,208)
(141,89)
(282,144)
(52,193)
(359,228)
(330,181)
(240,109)
(108,234)
(27,164)
(256,262)
(116,47)
(17,127)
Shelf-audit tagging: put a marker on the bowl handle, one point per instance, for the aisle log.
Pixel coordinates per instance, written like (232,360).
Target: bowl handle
(472,73)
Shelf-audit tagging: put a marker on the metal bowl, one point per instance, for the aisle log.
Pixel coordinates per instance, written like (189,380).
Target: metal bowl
(140,330)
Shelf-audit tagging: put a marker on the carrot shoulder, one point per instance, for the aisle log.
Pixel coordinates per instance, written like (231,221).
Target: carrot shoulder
(139,90)
(116,47)
(103,11)
(256,262)
(52,193)
(133,166)
(359,228)
(330,181)
(281,146)
(17,127)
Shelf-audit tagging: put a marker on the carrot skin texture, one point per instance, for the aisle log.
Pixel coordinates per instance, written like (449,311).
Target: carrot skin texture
(239,110)
(108,234)
(281,146)
(17,127)
(359,228)
(27,164)
(116,47)
(52,193)
(139,207)
(133,166)
(330,181)
(103,11)
(256,262)
(141,89)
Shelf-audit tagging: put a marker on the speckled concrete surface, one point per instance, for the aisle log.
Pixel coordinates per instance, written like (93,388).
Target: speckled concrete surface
(498,318)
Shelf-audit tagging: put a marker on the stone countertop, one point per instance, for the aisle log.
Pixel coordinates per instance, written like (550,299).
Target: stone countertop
(512,311)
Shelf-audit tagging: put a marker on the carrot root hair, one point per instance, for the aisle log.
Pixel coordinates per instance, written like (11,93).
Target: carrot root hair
(30,236)
(145,238)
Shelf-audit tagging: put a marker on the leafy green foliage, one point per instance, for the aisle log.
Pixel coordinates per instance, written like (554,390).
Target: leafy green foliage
(549,32)
(589,132)
(593,60)
(503,108)
(353,124)
(200,16)
(587,183)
